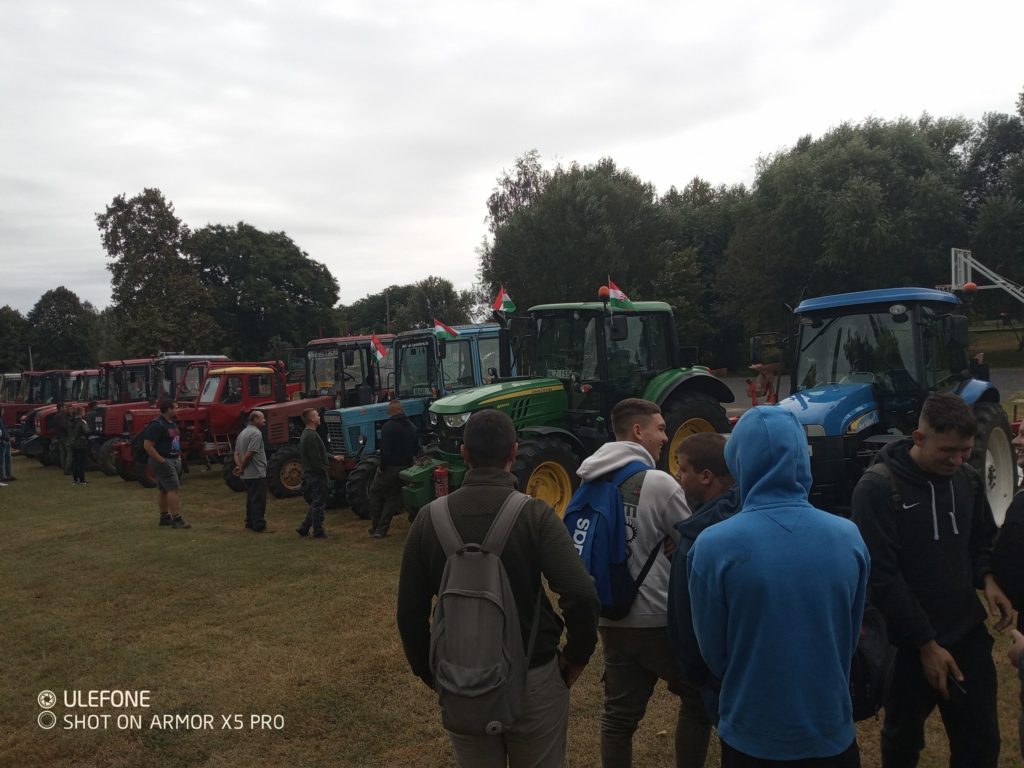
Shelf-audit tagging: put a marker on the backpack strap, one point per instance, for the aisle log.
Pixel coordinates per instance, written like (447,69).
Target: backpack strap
(497,534)
(883,470)
(447,536)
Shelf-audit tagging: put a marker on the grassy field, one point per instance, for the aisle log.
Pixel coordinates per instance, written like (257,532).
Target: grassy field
(1001,348)
(217,620)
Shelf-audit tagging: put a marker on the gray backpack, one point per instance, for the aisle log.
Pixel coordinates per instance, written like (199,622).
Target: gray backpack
(476,644)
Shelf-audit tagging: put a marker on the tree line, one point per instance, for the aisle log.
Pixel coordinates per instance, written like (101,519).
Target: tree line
(872,204)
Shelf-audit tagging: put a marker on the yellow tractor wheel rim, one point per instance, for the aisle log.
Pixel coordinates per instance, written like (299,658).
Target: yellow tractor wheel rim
(551,483)
(291,474)
(687,428)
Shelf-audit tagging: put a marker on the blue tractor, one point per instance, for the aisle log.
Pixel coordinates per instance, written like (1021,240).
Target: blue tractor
(425,368)
(864,363)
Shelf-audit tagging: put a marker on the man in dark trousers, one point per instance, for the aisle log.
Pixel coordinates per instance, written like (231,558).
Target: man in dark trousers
(315,474)
(251,467)
(927,523)
(538,544)
(61,421)
(399,442)
(5,452)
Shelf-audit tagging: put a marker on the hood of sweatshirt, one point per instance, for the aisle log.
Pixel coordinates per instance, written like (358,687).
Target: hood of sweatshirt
(768,458)
(613,456)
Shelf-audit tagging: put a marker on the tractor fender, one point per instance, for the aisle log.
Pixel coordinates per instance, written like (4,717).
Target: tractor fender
(666,384)
(977,391)
(563,434)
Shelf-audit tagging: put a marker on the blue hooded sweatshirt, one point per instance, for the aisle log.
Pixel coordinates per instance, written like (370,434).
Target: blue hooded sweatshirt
(777,594)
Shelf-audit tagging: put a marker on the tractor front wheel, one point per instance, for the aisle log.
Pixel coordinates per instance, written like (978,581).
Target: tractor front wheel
(994,458)
(233,481)
(546,469)
(105,457)
(688,413)
(284,472)
(357,487)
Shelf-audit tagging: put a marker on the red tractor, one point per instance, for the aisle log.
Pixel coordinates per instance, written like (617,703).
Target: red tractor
(37,432)
(35,388)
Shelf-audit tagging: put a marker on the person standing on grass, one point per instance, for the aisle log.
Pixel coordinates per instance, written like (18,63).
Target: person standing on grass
(251,467)
(923,512)
(60,430)
(6,474)
(315,474)
(162,443)
(399,442)
(538,544)
(78,441)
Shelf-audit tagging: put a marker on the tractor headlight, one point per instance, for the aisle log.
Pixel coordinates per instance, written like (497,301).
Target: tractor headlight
(457,420)
(869,419)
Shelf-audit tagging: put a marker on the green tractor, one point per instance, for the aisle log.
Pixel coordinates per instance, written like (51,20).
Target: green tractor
(585,359)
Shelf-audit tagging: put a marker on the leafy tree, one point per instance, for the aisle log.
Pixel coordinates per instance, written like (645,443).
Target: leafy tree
(158,300)
(14,340)
(433,297)
(262,286)
(518,189)
(62,329)
(374,313)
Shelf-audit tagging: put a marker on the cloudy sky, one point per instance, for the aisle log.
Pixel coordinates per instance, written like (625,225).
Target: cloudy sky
(373,132)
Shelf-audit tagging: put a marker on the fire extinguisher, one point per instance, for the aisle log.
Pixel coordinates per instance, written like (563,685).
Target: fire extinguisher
(440,481)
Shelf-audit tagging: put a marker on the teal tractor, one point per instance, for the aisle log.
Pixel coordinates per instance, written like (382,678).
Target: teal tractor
(424,369)
(864,363)
(585,358)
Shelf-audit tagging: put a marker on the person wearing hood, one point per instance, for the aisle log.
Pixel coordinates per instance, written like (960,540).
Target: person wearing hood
(777,595)
(929,528)
(399,442)
(636,648)
(713,496)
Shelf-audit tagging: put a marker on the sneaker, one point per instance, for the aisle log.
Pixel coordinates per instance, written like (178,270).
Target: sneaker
(378,535)
(320,535)
(10,479)
(179,522)
(248,525)
(83,482)
(3,485)
(165,519)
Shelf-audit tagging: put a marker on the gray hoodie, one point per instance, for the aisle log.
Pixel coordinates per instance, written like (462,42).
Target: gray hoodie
(661,505)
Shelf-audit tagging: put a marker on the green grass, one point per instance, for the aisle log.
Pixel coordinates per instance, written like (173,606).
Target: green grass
(219,620)
(1001,348)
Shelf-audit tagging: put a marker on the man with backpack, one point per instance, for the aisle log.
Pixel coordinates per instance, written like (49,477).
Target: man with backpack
(924,516)
(713,496)
(644,505)
(777,595)
(482,550)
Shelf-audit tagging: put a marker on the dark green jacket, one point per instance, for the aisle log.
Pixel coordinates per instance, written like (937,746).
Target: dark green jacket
(78,433)
(539,543)
(313,453)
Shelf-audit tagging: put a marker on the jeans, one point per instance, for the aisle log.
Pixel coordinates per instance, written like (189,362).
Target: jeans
(536,739)
(5,461)
(255,502)
(635,658)
(316,494)
(78,463)
(385,499)
(970,718)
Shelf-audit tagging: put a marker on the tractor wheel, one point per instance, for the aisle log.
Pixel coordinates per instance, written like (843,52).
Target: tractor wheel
(994,458)
(125,471)
(284,472)
(546,469)
(50,457)
(687,413)
(233,481)
(105,457)
(144,474)
(357,487)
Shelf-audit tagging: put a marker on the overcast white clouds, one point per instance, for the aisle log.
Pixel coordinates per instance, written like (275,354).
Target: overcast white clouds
(372,132)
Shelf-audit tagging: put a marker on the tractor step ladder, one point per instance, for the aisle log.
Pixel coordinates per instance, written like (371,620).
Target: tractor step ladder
(962,267)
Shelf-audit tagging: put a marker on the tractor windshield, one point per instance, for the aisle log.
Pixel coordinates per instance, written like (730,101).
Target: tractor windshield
(567,346)
(11,387)
(871,348)
(209,394)
(412,366)
(191,382)
(320,367)
(128,383)
(457,365)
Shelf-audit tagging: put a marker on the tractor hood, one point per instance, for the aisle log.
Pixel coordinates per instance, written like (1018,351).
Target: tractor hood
(831,406)
(497,395)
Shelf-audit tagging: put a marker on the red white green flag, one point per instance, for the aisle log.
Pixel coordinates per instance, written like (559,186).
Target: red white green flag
(443,331)
(378,348)
(504,302)
(618,298)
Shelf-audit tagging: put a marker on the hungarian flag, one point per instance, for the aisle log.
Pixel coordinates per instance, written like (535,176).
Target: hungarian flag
(378,349)
(443,331)
(504,302)
(617,297)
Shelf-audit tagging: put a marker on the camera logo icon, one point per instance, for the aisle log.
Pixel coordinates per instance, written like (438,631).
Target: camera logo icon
(47,699)
(46,720)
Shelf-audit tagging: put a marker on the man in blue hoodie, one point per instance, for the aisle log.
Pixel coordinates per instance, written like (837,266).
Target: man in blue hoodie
(777,595)
(929,528)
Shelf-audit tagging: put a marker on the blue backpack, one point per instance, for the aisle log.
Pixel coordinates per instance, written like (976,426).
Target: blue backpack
(596,520)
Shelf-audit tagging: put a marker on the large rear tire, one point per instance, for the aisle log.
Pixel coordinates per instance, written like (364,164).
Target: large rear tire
(144,474)
(105,457)
(993,457)
(546,469)
(50,457)
(284,472)
(687,413)
(231,480)
(357,487)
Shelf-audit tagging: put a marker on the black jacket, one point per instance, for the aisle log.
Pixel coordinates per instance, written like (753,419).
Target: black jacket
(1008,556)
(928,556)
(399,442)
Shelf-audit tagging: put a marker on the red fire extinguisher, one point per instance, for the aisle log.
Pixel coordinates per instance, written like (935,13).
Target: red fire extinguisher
(440,481)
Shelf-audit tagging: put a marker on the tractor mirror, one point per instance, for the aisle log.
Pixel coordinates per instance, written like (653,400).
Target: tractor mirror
(442,349)
(620,328)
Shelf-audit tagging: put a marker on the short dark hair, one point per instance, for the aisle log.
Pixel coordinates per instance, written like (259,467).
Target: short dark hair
(489,436)
(705,451)
(946,412)
(628,412)
(395,407)
(166,405)
(306,415)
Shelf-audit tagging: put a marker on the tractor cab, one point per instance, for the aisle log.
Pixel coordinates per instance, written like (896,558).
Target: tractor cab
(346,368)
(230,392)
